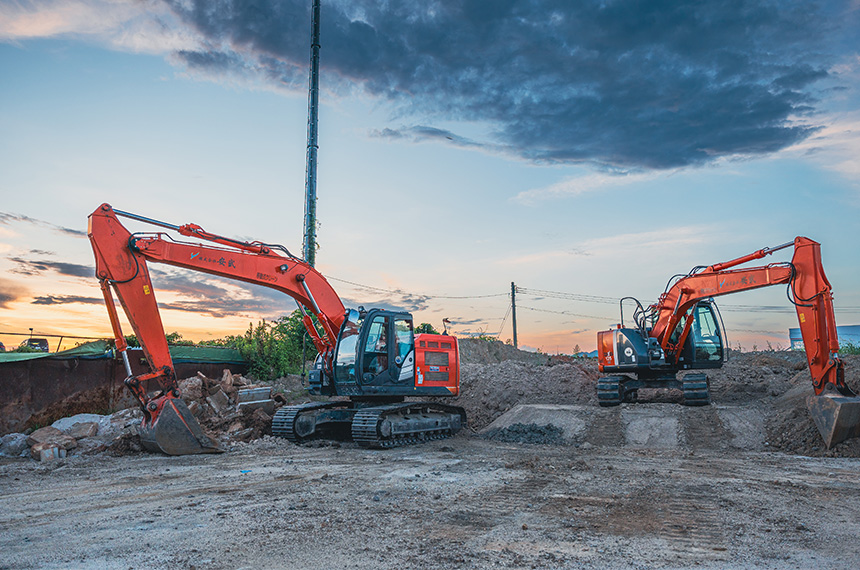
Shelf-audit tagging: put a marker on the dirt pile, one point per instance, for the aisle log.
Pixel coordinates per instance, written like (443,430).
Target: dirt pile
(496,377)
(489,390)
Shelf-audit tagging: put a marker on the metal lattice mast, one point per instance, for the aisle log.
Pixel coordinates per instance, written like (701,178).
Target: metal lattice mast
(309,241)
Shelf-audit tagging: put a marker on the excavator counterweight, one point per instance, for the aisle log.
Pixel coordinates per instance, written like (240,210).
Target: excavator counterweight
(683,331)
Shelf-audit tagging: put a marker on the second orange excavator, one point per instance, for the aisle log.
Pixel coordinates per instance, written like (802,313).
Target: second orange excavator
(683,331)
(372,359)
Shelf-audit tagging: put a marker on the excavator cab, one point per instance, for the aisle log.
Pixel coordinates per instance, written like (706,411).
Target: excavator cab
(703,347)
(375,351)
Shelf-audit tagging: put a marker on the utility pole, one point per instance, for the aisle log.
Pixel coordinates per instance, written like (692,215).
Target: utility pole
(309,243)
(514,310)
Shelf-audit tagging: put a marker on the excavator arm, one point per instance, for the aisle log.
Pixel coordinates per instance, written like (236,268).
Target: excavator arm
(809,291)
(121,266)
(835,408)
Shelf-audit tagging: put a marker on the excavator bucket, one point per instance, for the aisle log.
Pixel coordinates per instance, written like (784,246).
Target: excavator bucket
(836,417)
(175,431)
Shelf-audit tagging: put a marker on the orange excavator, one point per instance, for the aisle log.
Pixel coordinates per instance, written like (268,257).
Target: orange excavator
(682,331)
(370,358)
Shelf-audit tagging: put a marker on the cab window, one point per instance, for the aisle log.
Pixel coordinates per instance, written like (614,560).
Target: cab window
(706,335)
(404,339)
(375,359)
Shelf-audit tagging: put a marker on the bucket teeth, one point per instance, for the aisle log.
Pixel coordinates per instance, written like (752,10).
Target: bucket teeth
(836,417)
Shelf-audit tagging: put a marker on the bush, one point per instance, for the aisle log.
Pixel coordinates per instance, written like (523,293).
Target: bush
(425,328)
(173,338)
(849,347)
(273,349)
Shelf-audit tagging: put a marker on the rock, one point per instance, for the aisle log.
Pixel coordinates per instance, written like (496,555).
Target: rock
(81,430)
(191,389)
(47,451)
(65,424)
(13,444)
(49,434)
(218,401)
(227,381)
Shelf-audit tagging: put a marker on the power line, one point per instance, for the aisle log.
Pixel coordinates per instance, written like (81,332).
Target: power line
(504,320)
(610,300)
(568,296)
(568,313)
(396,292)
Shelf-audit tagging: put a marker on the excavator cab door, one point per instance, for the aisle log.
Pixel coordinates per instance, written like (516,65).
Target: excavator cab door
(704,347)
(387,347)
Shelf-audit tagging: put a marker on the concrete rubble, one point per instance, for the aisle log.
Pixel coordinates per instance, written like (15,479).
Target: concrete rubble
(231,409)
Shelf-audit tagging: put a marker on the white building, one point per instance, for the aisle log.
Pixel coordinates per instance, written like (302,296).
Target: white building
(848,334)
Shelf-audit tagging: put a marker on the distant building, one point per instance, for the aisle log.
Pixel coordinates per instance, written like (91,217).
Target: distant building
(847,334)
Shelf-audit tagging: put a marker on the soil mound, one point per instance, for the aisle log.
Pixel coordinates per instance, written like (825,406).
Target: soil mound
(496,377)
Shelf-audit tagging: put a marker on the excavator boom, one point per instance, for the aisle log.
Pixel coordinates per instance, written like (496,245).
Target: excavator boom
(121,267)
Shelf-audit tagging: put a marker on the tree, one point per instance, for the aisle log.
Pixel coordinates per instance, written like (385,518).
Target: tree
(425,328)
(273,349)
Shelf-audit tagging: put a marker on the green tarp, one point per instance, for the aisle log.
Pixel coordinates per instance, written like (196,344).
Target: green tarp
(103,349)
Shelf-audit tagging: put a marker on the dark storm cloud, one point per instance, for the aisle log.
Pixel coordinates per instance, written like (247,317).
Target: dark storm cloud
(37,267)
(397,301)
(6,219)
(622,84)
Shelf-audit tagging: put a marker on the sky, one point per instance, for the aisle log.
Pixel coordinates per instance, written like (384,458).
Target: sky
(584,151)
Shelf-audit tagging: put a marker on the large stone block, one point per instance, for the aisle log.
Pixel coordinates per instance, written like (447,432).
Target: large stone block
(50,434)
(13,444)
(83,429)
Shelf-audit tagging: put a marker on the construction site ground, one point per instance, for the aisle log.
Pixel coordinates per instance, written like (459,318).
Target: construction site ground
(541,478)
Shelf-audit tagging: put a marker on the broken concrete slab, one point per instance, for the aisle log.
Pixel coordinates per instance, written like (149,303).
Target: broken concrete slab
(254,394)
(267,406)
(218,401)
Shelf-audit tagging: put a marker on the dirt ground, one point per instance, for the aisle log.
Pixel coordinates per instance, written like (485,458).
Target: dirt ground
(743,483)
